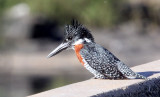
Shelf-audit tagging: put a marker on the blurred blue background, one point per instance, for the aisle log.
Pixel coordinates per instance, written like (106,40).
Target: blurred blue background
(31,29)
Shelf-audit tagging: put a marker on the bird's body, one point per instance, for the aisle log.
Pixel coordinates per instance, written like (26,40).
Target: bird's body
(99,61)
(102,63)
(95,58)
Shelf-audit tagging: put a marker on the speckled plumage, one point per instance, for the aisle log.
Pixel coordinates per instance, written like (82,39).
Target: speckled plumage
(103,64)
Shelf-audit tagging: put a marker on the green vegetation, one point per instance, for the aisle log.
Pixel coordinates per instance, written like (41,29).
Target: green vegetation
(93,12)
(60,81)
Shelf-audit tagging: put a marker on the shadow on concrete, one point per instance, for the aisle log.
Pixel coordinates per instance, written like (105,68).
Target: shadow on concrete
(148,73)
(149,88)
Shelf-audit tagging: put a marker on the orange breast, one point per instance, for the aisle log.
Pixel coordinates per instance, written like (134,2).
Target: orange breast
(77,50)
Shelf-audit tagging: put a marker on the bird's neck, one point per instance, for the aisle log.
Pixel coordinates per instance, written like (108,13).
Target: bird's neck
(82,41)
(77,49)
(78,46)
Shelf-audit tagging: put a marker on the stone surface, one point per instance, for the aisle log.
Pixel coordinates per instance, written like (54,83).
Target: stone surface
(96,86)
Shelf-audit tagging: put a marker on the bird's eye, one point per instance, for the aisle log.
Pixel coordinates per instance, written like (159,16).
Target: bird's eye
(69,38)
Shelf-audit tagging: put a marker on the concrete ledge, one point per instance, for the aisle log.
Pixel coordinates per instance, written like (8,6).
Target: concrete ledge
(149,88)
(95,86)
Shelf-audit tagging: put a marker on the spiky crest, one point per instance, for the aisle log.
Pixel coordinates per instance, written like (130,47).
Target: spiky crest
(78,29)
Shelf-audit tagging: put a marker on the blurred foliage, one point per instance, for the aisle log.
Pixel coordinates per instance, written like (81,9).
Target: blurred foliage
(61,81)
(93,12)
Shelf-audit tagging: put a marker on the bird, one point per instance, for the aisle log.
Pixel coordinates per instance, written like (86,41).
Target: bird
(95,58)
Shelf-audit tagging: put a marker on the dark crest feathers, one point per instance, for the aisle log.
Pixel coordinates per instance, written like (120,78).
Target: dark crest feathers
(73,27)
(77,28)
(75,24)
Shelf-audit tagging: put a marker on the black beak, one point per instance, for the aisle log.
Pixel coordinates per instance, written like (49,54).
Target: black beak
(57,50)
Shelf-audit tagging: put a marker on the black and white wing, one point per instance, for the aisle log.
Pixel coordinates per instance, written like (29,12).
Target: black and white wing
(103,61)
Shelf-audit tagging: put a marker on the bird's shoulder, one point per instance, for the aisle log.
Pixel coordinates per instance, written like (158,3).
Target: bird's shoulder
(97,52)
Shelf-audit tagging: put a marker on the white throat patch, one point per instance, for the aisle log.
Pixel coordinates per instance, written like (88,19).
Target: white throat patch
(87,40)
(80,41)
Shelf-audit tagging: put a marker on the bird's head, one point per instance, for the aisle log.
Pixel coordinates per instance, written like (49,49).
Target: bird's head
(75,34)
